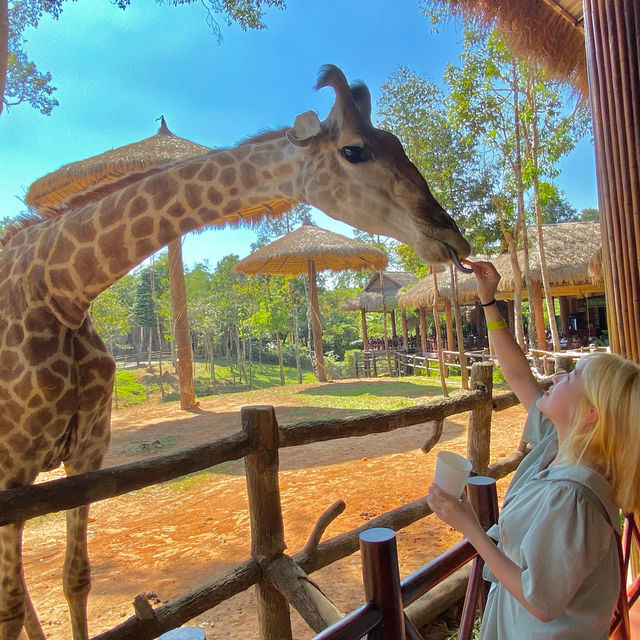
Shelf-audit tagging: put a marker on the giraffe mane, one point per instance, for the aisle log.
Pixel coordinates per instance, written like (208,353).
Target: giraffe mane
(265,136)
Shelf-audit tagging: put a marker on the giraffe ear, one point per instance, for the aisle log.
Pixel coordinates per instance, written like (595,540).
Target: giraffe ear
(305,127)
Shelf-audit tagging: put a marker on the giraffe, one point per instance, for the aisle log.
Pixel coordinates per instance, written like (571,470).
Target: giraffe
(56,376)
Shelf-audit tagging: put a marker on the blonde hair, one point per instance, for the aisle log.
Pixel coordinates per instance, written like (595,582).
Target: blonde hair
(612,442)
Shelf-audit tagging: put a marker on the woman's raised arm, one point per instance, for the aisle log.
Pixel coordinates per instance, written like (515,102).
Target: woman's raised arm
(513,363)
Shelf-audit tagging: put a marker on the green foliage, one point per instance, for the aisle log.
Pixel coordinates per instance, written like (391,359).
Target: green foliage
(153,283)
(446,153)
(590,215)
(24,83)
(111,310)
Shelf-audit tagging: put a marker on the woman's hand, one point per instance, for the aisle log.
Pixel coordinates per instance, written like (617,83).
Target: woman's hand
(458,514)
(487,279)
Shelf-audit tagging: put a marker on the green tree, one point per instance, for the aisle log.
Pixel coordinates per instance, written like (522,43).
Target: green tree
(448,155)
(20,80)
(111,311)
(589,215)
(555,207)
(147,308)
(273,315)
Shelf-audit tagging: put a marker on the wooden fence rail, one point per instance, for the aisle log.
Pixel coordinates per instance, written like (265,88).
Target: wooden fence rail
(269,568)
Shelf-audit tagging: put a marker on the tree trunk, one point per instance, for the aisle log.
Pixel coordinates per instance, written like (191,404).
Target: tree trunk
(517,276)
(184,353)
(280,366)
(464,374)
(536,199)
(521,218)
(317,323)
(296,343)
(436,322)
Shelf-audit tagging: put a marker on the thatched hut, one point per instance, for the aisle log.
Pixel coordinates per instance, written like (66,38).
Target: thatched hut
(596,40)
(571,250)
(380,294)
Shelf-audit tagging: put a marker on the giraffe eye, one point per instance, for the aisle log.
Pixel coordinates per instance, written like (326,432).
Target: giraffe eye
(354,154)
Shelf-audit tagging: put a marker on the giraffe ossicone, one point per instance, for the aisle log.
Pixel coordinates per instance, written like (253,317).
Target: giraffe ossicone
(56,376)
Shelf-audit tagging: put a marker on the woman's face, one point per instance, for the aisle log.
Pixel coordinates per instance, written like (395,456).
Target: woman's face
(560,401)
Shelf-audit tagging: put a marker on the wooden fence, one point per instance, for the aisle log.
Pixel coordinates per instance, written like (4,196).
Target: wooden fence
(280,579)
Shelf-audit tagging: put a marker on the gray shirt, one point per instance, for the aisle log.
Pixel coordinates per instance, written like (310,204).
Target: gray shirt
(557,524)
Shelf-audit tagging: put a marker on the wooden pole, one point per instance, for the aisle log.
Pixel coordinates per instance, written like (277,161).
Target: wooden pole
(479,425)
(267,529)
(564,315)
(541,336)
(483,497)
(382,580)
(436,322)
(458,316)
(316,323)
(422,312)
(363,324)
(184,352)
(448,320)
(612,32)
(405,331)
(511,317)
(394,331)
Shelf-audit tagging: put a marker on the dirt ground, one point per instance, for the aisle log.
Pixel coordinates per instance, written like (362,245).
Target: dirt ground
(172,538)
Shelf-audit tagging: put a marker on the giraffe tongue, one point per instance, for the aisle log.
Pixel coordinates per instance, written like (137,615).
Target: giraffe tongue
(456,260)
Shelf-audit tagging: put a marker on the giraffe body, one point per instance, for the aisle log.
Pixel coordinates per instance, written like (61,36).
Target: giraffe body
(56,376)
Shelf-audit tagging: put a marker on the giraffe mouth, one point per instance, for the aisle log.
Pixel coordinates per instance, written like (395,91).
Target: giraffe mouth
(456,260)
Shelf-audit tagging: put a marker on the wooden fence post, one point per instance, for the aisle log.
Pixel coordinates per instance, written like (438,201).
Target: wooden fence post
(267,528)
(483,497)
(382,580)
(479,425)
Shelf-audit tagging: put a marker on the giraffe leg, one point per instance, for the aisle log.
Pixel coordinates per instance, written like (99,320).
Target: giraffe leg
(76,573)
(12,593)
(31,623)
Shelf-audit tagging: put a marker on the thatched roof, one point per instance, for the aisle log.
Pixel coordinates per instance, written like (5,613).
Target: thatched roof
(79,183)
(551,31)
(328,250)
(90,175)
(570,248)
(422,293)
(370,298)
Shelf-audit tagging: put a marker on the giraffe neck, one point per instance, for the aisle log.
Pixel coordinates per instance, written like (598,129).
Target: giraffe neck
(89,249)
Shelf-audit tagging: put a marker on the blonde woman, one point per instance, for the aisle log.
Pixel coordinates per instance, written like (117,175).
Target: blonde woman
(555,572)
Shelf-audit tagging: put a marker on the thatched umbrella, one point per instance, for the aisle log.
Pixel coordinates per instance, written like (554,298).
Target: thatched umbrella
(94,177)
(89,180)
(380,294)
(309,249)
(596,41)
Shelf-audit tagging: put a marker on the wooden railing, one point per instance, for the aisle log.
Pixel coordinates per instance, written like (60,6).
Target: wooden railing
(280,579)
(387,596)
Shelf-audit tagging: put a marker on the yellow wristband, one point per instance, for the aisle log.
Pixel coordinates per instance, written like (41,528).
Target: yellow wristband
(497,324)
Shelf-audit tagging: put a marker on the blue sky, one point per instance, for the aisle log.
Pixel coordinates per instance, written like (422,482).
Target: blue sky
(117,71)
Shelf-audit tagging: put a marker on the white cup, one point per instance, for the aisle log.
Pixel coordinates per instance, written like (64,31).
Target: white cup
(452,472)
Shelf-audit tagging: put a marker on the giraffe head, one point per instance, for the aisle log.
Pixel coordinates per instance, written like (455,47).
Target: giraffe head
(361,175)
